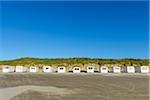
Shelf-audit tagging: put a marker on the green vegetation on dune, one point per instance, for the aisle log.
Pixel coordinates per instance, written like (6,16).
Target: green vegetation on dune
(72,61)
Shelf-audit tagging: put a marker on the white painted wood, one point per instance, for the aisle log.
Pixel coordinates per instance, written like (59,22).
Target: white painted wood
(33,69)
(21,69)
(76,70)
(47,69)
(144,69)
(116,69)
(130,69)
(104,69)
(61,69)
(90,69)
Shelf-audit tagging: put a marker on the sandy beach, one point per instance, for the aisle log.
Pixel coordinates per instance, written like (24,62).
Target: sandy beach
(40,86)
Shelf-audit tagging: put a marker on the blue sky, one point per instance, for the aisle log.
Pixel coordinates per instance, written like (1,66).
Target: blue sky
(99,29)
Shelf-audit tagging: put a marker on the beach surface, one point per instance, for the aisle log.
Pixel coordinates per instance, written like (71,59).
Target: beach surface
(41,86)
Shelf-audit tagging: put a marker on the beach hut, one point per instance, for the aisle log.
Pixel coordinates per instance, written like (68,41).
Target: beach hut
(116,69)
(76,70)
(7,69)
(21,69)
(33,69)
(90,69)
(110,69)
(61,69)
(144,69)
(104,69)
(47,69)
(124,69)
(130,69)
(11,69)
(137,69)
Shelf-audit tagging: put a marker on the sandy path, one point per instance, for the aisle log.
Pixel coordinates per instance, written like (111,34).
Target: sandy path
(7,93)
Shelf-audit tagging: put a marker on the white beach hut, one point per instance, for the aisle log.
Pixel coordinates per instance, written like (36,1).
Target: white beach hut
(104,69)
(7,68)
(61,69)
(76,70)
(90,69)
(130,69)
(116,69)
(11,69)
(21,69)
(47,69)
(144,69)
(33,69)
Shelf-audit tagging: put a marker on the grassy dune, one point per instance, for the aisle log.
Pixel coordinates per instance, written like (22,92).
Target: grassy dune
(74,61)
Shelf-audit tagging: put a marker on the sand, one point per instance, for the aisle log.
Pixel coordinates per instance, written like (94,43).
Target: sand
(41,86)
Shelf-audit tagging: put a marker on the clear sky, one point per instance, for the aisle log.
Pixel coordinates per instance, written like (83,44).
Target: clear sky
(112,29)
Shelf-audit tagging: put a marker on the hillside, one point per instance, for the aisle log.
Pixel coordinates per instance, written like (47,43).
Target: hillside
(72,61)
